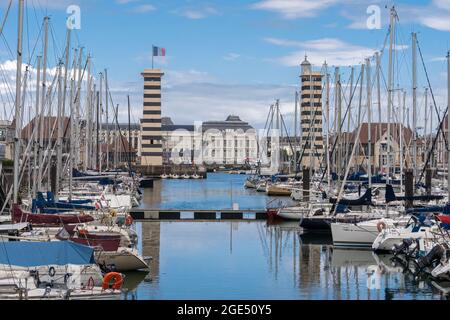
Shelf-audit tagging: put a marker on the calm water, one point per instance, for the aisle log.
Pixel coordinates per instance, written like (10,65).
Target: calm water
(252,260)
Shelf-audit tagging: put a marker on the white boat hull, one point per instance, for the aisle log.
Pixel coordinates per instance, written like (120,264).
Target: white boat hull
(123,260)
(353,235)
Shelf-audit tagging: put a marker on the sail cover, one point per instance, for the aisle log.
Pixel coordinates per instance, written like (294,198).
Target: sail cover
(32,254)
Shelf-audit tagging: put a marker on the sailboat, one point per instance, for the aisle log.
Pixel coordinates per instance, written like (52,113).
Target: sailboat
(52,270)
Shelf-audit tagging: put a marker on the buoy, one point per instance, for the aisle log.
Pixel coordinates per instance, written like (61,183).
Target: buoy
(129,220)
(118,281)
(381,225)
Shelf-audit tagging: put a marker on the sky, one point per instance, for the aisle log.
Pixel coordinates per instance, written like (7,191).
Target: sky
(232,57)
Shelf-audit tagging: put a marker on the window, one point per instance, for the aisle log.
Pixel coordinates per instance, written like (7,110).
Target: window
(152,87)
(311,88)
(152,79)
(315,96)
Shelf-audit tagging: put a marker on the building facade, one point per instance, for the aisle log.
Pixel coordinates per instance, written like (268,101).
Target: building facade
(400,142)
(232,141)
(151,139)
(311,116)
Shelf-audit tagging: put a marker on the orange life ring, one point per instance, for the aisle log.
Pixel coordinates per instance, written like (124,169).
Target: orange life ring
(118,280)
(381,225)
(128,220)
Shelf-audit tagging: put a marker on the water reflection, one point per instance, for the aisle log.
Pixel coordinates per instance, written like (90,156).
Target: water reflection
(253,260)
(220,190)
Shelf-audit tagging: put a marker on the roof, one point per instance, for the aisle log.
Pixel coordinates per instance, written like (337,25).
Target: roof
(306,62)
(122,147)
(231,122)
(122,126)
(174,127)
(375,133)
(166,121)
(49,122)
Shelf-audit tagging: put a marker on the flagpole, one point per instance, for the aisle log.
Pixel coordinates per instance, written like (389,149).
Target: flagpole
(153,54)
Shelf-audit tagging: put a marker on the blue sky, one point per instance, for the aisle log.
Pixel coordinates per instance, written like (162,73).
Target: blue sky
(235,56)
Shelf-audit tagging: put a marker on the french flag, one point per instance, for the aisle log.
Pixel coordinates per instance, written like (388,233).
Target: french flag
(159,52)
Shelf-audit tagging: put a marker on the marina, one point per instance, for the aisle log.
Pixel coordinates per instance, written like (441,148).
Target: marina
(261,260)
(338,191)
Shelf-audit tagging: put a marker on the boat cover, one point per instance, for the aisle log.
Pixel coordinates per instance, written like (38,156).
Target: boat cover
(32,254)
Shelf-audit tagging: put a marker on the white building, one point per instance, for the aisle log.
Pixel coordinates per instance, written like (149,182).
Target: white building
(232,141)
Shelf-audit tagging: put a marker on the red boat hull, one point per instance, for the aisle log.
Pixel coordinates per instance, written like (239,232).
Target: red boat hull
(444,219)
(104,240)
(18,215)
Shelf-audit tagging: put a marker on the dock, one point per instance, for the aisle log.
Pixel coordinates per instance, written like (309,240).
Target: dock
(197,215)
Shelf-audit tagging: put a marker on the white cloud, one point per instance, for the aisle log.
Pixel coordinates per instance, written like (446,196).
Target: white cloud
(175,78)
(197,12)
(193,95)
(443,4)
(292,9)
(143,8)
(438,59)
(52,4)
(335,51)
(231,56)
(439,22)
(435,15)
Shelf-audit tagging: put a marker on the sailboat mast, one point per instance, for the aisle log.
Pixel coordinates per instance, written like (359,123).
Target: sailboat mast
(377,57)
(18,107)
(36,127)
(99,121)
(425,130)
(61,113)
(60,132)
(72,125)
(339,122)
(296,130)
(369,116)
(360,106)
(87,138)
(76,160)
(72,138)
(107,119)
(336,92)
(414,89)
(97,145)
(93,153)
(116,137)
(390,80)
(401,139)
(43,103)
(129,132)
(327,75)
(448,123)
(349,116)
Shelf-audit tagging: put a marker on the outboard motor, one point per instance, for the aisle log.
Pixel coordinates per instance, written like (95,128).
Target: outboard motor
(435,254)
(403,247)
